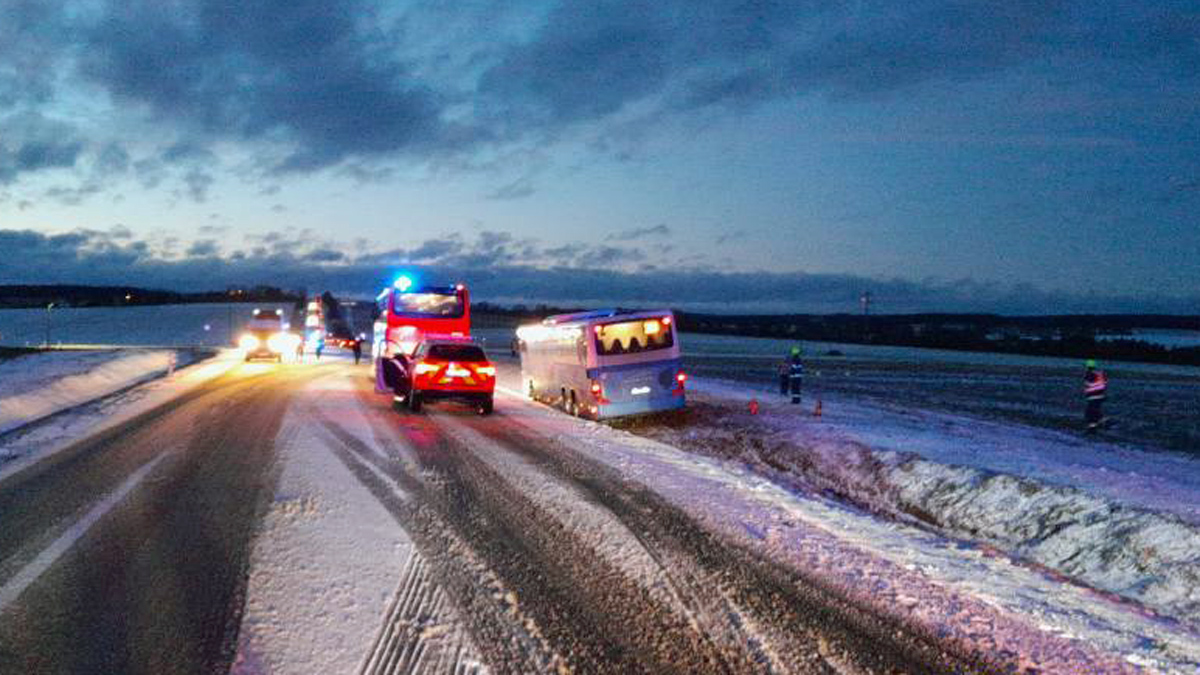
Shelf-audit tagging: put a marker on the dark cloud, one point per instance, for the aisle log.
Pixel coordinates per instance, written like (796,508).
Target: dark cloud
(203,248)
(307,84)
(306,73)
(323,255)
(31,142)
(660,230)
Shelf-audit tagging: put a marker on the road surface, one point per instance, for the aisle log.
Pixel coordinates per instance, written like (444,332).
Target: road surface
(130,551)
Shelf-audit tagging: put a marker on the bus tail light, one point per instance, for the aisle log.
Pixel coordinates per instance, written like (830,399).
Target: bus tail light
(680,378)
(598,392)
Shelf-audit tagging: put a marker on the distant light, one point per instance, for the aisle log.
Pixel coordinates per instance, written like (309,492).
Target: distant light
(403,283)
(459,287)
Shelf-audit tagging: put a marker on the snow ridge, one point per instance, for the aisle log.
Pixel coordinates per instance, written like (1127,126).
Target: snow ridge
(1147,556)
(39,385)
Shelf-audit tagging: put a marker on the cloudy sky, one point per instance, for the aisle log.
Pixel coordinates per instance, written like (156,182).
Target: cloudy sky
(734,155)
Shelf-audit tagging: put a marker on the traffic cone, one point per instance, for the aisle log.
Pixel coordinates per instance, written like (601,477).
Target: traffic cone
(753,406)
(817,410)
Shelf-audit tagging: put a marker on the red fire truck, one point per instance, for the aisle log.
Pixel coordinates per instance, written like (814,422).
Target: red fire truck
(409,311)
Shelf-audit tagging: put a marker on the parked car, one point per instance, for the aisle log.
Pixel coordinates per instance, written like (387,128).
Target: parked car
(448,367)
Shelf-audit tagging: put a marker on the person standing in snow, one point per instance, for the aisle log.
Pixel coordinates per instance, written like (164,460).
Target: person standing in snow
(795,374)
(357,347)
(1095,390)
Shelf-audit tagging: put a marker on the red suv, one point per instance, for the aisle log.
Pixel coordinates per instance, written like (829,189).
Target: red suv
(450,368)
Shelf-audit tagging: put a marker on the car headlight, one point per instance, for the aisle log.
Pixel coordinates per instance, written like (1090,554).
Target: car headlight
(277,343)
(248,343)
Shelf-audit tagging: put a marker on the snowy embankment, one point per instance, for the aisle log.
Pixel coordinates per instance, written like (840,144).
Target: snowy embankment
(35,386)
(1025,492)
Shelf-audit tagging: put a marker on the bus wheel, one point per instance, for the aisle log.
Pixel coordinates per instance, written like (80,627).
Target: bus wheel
(573,410)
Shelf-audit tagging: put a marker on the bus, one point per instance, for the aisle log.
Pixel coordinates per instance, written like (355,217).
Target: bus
(407,311)
(603,363)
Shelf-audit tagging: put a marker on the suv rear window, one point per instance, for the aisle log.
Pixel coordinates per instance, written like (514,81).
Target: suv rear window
(466,353)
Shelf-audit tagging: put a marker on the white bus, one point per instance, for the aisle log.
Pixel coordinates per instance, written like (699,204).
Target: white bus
(604,363)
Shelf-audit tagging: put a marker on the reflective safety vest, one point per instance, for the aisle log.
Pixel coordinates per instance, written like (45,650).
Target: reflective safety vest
(1096,387)
(795,369)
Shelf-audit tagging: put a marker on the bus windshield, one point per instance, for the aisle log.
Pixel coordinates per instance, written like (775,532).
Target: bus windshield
(631,337)
(428,304)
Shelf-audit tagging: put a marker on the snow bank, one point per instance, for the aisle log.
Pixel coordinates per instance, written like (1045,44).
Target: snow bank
(1151,557)
(968,594)
(37,385)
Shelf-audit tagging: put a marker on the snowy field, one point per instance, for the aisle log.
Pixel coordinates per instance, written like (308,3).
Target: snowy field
(206,325)
(36,385)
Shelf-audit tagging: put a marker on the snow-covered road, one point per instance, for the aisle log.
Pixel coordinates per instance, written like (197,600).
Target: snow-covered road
(285,519)
(498,514)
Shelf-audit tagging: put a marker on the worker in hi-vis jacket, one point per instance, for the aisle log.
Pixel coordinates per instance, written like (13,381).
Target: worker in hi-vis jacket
(1095,390)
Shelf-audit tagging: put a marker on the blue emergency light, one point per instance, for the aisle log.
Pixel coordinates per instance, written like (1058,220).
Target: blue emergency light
(403,283)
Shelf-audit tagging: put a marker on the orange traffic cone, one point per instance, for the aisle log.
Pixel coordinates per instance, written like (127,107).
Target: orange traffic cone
(753,406)
(817,410)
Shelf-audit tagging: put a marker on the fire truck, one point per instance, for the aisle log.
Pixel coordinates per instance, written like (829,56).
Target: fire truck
(407,312)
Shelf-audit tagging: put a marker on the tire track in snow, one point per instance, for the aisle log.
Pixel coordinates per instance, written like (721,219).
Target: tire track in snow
(811,627)
(663,574)
(498,629)
(420,633)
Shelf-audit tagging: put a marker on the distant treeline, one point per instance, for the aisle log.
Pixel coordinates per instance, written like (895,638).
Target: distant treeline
(1076,335)
(115,296)
(1073,336)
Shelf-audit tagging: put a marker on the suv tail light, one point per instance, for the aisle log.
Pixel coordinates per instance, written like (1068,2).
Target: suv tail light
(424,368)
(486,371)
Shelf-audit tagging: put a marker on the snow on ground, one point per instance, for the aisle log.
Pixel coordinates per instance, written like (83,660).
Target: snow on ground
(336,585)
(36,385)
(30,443)
(1115,518)
(968,593)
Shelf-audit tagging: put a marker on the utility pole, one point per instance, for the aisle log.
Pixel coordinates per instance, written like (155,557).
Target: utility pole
(866,309)
(47,341)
